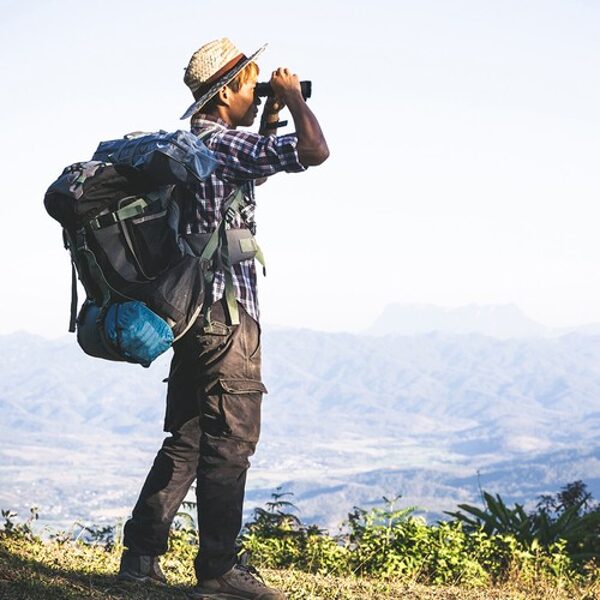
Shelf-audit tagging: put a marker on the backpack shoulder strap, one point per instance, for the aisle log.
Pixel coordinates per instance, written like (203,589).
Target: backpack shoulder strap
(74,299)
(218,240)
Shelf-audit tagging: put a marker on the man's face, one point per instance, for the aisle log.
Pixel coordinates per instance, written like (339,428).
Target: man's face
(243,104)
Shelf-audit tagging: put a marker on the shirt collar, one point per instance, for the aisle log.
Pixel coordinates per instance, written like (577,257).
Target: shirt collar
(201,121)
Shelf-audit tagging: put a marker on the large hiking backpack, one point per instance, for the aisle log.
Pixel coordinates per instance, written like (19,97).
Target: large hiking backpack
(143,290)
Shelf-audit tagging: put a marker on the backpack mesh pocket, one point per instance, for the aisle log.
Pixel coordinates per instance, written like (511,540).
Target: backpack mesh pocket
(153,242)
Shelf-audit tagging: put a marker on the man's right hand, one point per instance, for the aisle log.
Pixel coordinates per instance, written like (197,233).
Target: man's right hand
(284,82)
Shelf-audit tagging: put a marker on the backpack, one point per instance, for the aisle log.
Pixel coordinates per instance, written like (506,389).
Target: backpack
(143,289)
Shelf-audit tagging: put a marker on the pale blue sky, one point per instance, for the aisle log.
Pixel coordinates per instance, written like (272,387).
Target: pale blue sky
(465,138)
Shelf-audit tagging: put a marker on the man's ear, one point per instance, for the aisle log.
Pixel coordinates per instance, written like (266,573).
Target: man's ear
(224,94)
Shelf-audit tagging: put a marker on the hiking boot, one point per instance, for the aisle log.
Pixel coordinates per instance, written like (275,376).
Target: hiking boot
(241,583)
(141,568)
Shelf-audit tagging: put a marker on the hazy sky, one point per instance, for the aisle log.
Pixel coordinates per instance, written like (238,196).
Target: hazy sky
(464,139)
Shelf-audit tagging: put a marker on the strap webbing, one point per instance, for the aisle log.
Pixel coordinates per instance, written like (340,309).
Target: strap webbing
(211,245)
(137,207)
(231,210)
(260,257)
(73,318)
(218,239)
(213,240)
(232,308)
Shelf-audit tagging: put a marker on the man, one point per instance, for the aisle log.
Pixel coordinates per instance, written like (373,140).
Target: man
(215,386)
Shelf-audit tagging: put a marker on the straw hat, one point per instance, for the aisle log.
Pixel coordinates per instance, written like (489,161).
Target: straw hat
(211,67)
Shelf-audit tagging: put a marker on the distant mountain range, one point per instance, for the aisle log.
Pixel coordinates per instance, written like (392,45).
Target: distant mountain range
(497,320)
(349,418)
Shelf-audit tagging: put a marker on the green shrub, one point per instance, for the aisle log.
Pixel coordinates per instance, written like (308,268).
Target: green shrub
(277,538)
(567,521)
(480,547)
(388,542)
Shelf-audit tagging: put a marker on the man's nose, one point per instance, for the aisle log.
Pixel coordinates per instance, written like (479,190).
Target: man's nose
(257,99)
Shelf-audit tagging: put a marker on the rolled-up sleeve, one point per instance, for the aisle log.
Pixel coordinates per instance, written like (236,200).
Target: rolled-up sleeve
(242,155)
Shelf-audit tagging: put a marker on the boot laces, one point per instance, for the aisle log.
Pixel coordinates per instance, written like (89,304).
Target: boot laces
(251,574)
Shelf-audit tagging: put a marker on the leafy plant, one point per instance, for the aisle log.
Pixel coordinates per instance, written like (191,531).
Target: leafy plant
(566,518)
(276,537)
(572,494)
(482,546)
(497,518)
(96,535)
(185,527)
(14,529)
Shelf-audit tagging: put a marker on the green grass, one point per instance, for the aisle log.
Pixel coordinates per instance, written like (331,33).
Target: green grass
(31,569)
(494,553)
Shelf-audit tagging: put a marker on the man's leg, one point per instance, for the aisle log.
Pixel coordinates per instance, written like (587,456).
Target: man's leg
(229,409)
(168,481)
(227,391)
(221,483)
(175,465)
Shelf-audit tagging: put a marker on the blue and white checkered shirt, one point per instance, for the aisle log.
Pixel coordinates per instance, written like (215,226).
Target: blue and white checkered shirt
(243,157)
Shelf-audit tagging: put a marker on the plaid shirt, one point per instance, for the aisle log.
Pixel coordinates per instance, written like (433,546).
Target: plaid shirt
(243,157)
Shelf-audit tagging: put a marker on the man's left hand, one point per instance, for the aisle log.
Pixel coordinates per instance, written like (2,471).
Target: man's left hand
(270,115)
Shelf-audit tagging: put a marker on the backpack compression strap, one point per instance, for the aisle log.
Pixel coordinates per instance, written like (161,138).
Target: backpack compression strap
(218,239)
(135,208)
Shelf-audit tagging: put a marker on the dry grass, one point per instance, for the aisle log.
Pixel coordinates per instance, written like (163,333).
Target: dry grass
(31,570)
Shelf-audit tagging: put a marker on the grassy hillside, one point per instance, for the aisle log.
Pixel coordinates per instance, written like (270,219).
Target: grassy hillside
(31,569)
(495,553)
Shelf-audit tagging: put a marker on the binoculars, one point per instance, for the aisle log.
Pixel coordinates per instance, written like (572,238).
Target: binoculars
(265,89)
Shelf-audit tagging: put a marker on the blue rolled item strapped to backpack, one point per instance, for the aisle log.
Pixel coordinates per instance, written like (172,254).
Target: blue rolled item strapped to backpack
(143,291)
(123,331)
(137,333)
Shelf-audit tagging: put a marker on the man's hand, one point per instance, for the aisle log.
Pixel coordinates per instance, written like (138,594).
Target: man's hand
(273,105)
(285,83)
(312,147)
(270,115)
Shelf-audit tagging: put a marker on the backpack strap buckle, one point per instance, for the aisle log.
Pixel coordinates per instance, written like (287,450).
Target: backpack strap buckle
(135,208)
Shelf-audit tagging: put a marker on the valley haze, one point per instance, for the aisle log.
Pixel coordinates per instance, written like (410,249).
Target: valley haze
(429,403)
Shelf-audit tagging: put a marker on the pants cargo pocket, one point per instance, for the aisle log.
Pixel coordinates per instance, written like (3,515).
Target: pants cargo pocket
(233,409)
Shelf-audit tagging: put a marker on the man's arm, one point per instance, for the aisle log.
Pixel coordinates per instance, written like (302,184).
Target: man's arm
(244,156)
(268,123)
(312,147)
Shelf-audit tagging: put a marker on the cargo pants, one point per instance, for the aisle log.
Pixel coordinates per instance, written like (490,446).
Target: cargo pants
(213,413)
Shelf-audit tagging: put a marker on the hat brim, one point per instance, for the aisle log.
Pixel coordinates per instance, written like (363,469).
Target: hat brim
(217,85)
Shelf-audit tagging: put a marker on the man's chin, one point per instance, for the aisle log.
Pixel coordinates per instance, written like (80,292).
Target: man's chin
(249,121)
